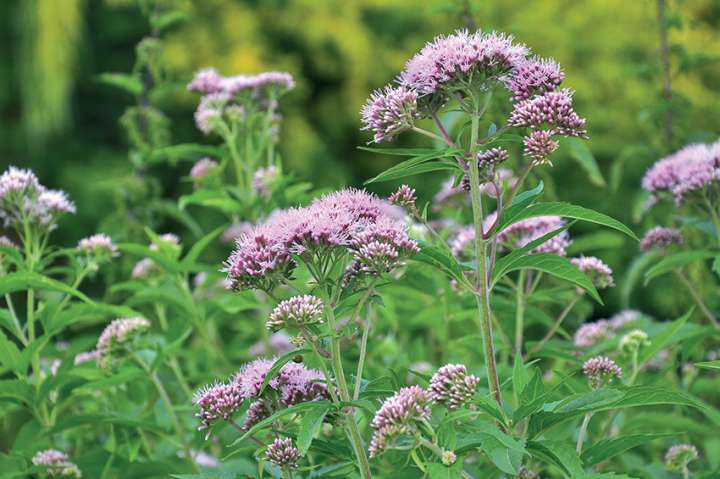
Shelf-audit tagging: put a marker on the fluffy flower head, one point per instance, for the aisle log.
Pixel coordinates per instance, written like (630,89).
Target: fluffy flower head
(281,452)
(98,244)
(389,112)
(397,415)
(452,386)
(601,371)
(298,310)
(56,464)
(600,273)
(660,238)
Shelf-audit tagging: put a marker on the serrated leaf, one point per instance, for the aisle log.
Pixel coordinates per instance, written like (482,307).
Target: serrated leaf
(565,210)
(414,167)
(309,426)
(522,200)
(674,261)
(580,152)
(441,259)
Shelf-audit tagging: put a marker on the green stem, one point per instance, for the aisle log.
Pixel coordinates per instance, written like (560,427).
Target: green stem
(432,135)
(696,297)
(321,362)
(556,326)
(352,428)
(519,313)
(364,340)
(177,425)
(482,292)
(583,432)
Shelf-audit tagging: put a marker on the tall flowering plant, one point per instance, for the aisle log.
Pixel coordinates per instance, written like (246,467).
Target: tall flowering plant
(478,74)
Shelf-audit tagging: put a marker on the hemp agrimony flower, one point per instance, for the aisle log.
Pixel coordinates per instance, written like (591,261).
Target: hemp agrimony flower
(660,238)
(679,456)
(631,342)
(296,311)
(201,169)
(397,416)
(215,402)
(118,332)
(599,272)
(452,386)
(56,464)
(98,245)
(601,371)
(282,453)
(390,111)
(590,334)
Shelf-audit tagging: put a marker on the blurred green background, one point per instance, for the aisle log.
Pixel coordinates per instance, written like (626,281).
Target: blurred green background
(57,118)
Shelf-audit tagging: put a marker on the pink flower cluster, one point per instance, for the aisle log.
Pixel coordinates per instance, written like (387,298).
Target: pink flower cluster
(390,111)
(98,245)
(660,238)
(450,386)
(397,415)
(679,455)
(347,219)
(693,168)
(201,169)
(533,76)
(600,273)
(553,110)
(296,311)
(600,371)
(56,463)
(294,383)
(404,197)
(118,332)
(590,334)
(456,57)
(264,179)
(209,81)
(281,452)
(453,386)
(23,198)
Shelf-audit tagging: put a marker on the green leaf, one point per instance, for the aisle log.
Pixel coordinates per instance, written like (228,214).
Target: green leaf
(10,356)
(309,426)
(441,471)
(432,161)
(185,151)
(441,259)
(503,263)
(674,261)
(566,210)
(659,341)
(581,153)
(559,454)
(24,280)
(522,200)
(503,450)
(129,83)
(304,406)
(277,366)
(17,389)
(340,469)
(520,375)
(554,265)
(200,245)
(211,199)
(709,364)
(609,448)
(716,265)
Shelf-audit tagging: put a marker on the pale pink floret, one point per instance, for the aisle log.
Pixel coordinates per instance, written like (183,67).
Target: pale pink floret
(218,401)
(282,453)
(679,455)
(452,386)
(98,244)
(534,76)
(206,81)
(660,238)
(600,371)
(296,311)
(18,182)
(264,180)
(202,168)
(551,110)
(690,169)
(539,145)
(56,463)
(398,415)
(404,197)
(599,272)
(118,332)
(590,334)
(447,59)
(389,112)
